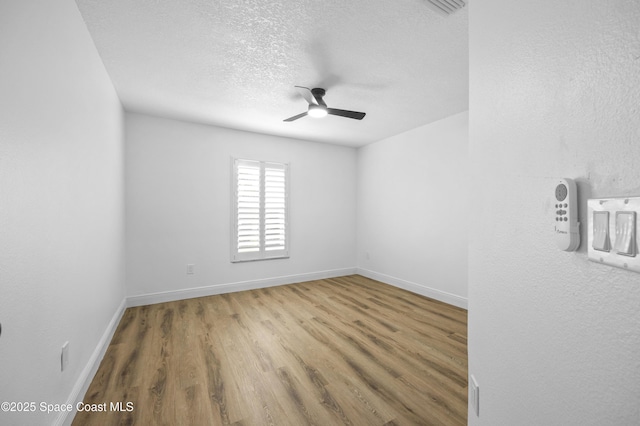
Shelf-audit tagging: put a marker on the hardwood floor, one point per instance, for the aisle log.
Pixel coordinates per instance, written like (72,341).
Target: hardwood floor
(346,350)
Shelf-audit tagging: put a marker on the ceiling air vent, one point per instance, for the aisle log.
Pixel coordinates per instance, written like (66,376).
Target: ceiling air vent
(446,7)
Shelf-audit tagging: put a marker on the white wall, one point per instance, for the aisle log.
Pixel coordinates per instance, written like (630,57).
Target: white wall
(412,210)
(61,202)
(178,196)
(555,89)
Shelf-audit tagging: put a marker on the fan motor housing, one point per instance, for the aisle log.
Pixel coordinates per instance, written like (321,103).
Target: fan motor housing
(318,92)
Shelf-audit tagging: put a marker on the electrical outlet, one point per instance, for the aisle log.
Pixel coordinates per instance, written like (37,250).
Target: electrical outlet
(474,395)
(64,356)
(191,269)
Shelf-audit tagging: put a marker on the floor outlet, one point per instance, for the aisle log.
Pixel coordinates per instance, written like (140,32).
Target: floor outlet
(64,356)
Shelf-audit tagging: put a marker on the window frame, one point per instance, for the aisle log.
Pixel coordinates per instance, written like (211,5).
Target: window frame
(262,252)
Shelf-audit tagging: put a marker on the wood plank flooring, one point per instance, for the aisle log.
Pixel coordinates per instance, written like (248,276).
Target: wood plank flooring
(346,350)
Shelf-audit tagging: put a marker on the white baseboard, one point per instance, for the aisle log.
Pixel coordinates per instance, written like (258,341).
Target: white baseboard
(189,293)
(451,299)
(85,378)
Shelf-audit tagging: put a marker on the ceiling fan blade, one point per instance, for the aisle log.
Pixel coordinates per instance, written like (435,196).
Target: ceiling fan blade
(306,94)
(295,117)
(344,113)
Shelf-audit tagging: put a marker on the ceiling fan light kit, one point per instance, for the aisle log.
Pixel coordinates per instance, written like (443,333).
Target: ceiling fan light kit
(318,107)
(317,111)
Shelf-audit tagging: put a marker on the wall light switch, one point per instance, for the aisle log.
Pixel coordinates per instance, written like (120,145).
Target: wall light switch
(601,231)
(626,233)
(612,232)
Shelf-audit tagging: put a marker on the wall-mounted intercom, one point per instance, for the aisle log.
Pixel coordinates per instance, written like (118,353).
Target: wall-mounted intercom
(566,226)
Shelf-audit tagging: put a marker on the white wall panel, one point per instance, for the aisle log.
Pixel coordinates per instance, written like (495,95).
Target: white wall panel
(553,338)
(61,204)
(178,205)
(413,210)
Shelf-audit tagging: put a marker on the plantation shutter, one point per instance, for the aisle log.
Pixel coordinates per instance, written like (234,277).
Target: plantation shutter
(275,207)
(260,208)
(248,207)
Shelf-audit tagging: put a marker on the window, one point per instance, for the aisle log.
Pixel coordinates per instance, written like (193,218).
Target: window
(260,210)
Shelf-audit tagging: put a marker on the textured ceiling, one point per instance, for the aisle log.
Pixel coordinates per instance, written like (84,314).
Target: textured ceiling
(234,63)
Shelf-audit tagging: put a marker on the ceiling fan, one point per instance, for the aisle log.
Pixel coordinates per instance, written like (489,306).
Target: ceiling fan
(318,108)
